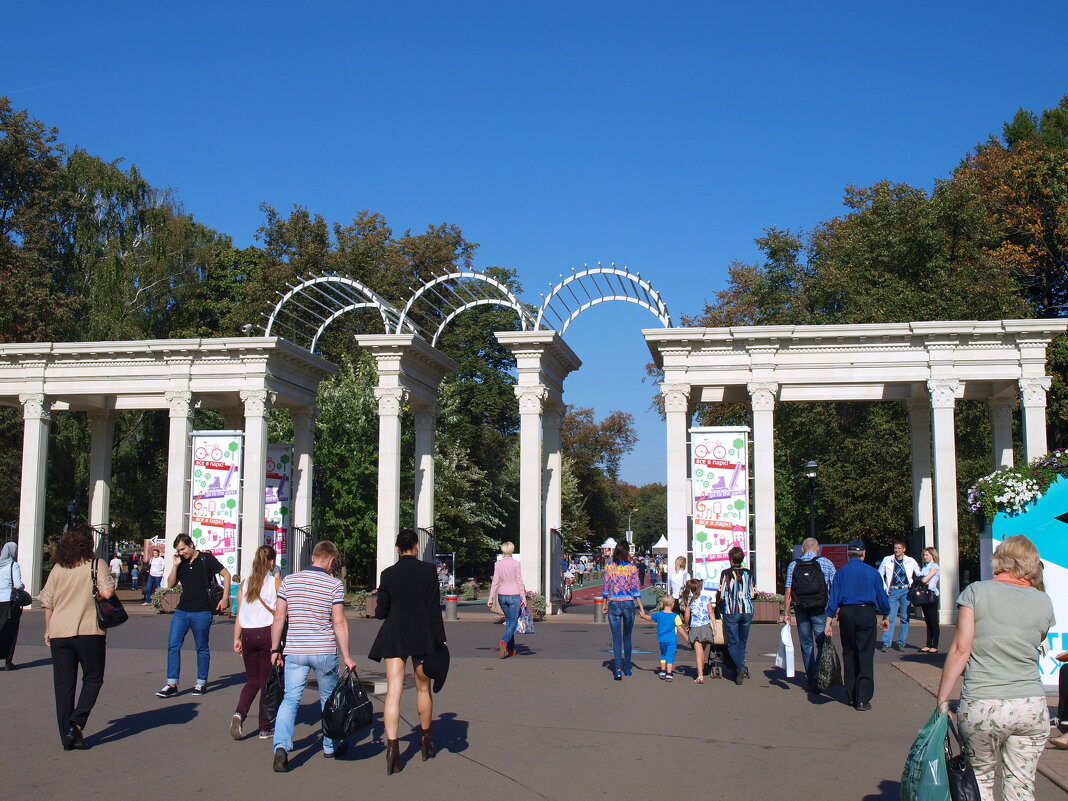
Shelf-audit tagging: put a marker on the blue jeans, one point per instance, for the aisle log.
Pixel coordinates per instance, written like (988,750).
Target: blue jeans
(510,604)
(736,632)
(899,607)
(152,584)
(181,623)
(296,672)
(810,632)
(621,622)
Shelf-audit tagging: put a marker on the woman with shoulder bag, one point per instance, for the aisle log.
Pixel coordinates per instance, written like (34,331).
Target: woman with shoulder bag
(72,631)
(257,599)
(10,611)
(929,575)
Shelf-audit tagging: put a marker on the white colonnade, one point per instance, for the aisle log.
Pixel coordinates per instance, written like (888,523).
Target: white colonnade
(927,365)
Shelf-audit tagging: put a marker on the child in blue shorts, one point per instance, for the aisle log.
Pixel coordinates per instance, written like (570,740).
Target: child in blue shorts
(667,624)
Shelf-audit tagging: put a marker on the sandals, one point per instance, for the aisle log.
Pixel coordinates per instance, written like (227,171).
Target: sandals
(1060,742)
(699,680)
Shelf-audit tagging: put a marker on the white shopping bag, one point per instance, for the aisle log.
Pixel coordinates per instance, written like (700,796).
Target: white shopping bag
(785,656)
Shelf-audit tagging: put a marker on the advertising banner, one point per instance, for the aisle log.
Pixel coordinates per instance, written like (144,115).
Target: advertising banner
(719,470)
(277,505)
(1042,523)
(215,499)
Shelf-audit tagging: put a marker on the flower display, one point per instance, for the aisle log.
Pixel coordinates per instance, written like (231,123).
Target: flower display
(1012,489)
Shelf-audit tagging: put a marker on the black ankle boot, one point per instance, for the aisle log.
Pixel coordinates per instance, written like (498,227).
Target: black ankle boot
(426,745)
(393,763)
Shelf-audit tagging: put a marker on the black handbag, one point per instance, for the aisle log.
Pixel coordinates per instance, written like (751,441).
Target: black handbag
(348,709)
(963,785)
(274,690)
(829,670)
(920,594)
(215,592)
(19,597)
(109,611)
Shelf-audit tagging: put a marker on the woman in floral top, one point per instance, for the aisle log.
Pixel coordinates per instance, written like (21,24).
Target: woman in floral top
(622,597)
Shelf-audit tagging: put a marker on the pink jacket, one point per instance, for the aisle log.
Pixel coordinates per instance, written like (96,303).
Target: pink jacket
(507,579)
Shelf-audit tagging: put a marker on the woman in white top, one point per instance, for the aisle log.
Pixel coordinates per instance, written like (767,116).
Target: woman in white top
(678,579)
(256,602)
(929,574)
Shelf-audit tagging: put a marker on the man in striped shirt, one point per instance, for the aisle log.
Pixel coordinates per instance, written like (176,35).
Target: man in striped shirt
(314,602)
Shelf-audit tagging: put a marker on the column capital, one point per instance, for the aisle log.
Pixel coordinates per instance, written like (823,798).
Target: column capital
(552,416)
(1001,408)
(531,398)
(306,417)
(676,397)
(35,406)
(180,403)
(943,392)
(257,402)
(391,400)
(1033,390)
(426,417)
(762,395)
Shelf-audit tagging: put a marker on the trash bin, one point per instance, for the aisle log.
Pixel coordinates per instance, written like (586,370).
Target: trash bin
(598,612)
(450,606)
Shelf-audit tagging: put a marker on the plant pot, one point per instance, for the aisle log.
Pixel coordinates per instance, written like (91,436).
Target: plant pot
(169,602)
(766,611)
(370,606)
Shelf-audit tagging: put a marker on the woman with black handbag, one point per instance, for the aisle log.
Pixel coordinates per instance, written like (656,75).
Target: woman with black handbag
(410,610)
(72,631)
(928,580)
(10,606)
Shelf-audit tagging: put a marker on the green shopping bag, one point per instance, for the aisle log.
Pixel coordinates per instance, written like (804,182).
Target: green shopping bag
(925,777)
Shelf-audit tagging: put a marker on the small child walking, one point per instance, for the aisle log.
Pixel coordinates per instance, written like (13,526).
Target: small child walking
(700,612)
(667,624)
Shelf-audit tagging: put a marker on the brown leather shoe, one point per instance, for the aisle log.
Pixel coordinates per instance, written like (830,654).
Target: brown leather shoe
(504,649)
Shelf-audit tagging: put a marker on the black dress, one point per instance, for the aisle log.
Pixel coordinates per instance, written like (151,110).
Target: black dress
(410,610)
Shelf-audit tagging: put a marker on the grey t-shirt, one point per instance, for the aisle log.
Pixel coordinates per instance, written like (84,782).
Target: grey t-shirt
(1010,623)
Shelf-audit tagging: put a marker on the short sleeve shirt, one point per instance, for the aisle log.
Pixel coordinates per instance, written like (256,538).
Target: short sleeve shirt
(1010,622)
(194,577)
(665,624)
(699,608)
(310,596)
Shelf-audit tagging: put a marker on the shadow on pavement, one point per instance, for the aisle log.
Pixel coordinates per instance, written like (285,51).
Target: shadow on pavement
(138,722)
(887,790)
(33,664)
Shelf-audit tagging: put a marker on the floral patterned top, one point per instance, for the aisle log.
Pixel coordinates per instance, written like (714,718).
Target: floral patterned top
(620,582)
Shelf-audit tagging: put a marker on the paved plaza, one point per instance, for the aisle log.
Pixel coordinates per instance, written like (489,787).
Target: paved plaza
(549,723)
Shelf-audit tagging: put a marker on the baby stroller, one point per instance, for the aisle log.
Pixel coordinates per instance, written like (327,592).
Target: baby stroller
(716,654)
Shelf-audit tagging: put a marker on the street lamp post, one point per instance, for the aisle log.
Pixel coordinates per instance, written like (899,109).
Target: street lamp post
(630,531)
(810,473)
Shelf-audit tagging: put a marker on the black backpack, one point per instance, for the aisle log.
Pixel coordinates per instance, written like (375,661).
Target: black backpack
(809,586)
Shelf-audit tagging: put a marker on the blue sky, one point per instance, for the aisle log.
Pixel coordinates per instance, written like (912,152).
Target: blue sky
(661,136)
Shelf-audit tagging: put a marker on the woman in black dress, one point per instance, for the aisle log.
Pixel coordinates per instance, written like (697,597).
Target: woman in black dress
(410,610)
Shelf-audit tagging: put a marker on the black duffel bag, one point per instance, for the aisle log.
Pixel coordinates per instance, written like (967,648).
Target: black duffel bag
(348,709)
(274,690)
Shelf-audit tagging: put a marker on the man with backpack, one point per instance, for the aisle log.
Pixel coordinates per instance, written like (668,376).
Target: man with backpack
(808,586)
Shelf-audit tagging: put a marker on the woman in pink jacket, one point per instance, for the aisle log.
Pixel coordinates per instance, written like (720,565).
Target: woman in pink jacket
(508,587)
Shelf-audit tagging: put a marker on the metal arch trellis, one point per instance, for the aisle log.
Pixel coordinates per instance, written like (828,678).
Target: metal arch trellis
(449,295)
(596,285)
(308,308)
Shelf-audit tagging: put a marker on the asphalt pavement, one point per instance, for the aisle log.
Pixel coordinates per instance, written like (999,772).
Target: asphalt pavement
(549,723)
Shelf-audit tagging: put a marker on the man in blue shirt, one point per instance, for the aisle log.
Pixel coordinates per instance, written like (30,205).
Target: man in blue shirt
(856,595)
(809,603)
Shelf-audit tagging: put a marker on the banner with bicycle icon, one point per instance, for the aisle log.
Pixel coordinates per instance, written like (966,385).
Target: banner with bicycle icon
(719,470)
(215,499)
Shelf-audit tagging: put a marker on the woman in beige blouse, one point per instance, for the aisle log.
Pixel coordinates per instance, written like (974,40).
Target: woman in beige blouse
(71,630)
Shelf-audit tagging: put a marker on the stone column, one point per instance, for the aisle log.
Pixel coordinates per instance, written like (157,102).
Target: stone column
(943,399)
(426,421)
(254,475)
(553,483)
(102,426)
(531,539)
(1001,425)
(303,478)
(677,416)
(36,419)
(762,396)
(920,438)
(179,460)
(1033,396)
(391,402)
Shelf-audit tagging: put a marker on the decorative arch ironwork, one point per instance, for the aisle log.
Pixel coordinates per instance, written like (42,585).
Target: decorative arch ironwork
(593,285)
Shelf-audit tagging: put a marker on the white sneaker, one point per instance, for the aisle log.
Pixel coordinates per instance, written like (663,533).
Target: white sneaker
(235,726)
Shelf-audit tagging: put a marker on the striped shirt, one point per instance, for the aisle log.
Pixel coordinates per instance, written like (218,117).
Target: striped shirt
(310,596)
(736,591)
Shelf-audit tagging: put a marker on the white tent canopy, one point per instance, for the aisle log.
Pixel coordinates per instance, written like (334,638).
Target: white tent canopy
(608,544)
(661,545)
